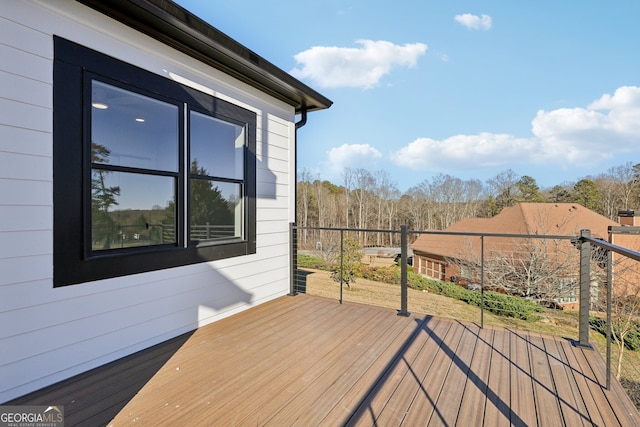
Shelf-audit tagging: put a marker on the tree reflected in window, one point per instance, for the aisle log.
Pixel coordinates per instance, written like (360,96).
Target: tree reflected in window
(102,197)
(213,207)
(140,218)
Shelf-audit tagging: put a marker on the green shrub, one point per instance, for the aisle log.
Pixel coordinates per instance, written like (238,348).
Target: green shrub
(310,261)
(631,339)
(419,282)
(509,306)
(502,305)
(389,274)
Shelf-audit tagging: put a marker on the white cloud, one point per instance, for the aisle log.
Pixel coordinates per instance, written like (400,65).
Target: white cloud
(463,151)
(608,126)
(352,156)
(474,22)
(567,136)
(360,67)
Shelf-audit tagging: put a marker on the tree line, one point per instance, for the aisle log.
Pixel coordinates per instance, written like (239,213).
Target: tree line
(372,200)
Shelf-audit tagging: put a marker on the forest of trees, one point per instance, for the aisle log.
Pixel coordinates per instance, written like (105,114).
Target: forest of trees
(371,200)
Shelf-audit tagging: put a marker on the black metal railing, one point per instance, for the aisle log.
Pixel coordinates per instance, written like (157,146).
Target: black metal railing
(331,249)
(623,301)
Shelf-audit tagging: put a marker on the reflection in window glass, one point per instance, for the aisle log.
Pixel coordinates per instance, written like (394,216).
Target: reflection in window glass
(132,130)
(129,210)
(217,146)
(216,210)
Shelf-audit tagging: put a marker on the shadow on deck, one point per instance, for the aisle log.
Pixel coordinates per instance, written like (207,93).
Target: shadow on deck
(310,361)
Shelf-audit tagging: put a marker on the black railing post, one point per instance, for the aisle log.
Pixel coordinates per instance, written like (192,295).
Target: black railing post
(403,271)
(341,262)
(482,281)
(585,288)
(609,295)
(293,258)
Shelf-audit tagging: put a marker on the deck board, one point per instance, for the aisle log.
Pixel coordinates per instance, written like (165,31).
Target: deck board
(571,403)
(379,366)
(311,361)
(424,405)
(396,399)
(498,403)
(474,391)
(452,390)
(327,379)
(523,411)
(544,389)
(585,385)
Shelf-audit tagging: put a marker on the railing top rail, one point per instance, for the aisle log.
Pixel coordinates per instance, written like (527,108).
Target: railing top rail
(614,248)
(450,233)
(369,230)
(510,235)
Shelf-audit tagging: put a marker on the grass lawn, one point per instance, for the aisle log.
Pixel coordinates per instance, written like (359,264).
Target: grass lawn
(320,283)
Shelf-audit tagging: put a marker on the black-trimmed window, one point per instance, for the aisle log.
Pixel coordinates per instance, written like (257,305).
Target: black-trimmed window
(148,173)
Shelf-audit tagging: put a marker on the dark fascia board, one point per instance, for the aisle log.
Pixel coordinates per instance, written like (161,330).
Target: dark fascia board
(176,27)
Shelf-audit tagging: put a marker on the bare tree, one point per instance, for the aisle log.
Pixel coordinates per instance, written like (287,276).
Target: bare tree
(504,189)
(625,300)
(364,186)
(446,194)
(536,268)
(414,208)
(348,178)
(474,193)
(386,194)
(618,189)
(533,268)
(610,200)
(391,207)
(626,180)
(304,201)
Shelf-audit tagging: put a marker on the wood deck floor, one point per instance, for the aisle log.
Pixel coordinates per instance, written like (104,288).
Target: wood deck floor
(310,361)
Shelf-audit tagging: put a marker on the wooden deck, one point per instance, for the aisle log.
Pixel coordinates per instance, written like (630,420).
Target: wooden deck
(310,361)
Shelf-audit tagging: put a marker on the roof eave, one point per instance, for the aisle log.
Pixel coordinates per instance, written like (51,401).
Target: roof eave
(176,27)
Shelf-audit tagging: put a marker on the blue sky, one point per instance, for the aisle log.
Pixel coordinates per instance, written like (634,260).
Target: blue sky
(549,89)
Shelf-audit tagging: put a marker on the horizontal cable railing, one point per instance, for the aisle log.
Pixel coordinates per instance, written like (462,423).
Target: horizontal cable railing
(616,313)
(324,249)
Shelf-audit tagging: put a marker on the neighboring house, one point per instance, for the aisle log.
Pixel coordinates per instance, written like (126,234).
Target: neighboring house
(541,269)
(626,272)
(147,181)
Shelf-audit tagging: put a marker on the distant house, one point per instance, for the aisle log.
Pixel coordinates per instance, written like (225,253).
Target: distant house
(542,269)
(147,181)
(626,273)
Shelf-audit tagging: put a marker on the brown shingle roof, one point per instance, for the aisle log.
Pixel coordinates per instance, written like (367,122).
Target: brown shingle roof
(524,218)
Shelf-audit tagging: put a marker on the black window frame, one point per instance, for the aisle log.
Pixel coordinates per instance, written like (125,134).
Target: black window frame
(74,261)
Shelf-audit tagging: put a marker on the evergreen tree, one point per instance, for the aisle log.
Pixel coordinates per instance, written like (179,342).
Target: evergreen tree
(102,198)
(529,190)
(207,204)
(559,194)
(586,193)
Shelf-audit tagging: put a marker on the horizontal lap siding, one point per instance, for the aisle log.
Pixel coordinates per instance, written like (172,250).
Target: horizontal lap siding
(51,334)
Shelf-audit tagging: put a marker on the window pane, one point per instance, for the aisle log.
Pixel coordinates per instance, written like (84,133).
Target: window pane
(217,147)
(129,209)
(128,129)
(216,210)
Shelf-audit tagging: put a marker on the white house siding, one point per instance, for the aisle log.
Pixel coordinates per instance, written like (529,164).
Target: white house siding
(48,334)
